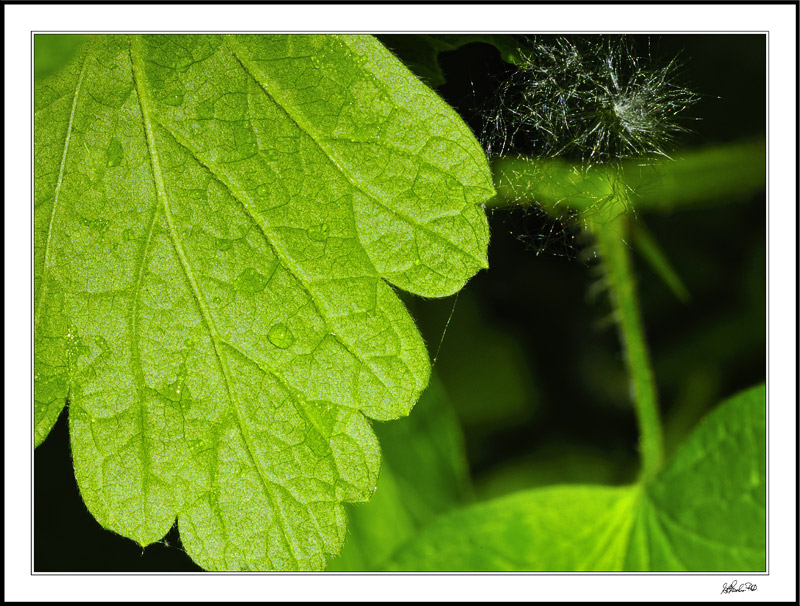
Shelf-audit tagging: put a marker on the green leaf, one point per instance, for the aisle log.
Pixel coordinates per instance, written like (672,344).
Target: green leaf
(218,223)
(566,528)
(420,52)
(704,512)
(423,474)
(707,508)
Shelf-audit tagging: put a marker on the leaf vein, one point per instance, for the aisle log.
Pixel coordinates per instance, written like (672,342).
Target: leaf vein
(333,160)
(205,312)
(243,199)
(67,139)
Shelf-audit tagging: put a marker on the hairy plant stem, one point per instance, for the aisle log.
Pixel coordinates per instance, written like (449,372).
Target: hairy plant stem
(609,226)
(602,199)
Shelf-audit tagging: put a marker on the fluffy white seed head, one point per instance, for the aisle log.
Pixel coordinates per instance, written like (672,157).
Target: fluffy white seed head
(590,99)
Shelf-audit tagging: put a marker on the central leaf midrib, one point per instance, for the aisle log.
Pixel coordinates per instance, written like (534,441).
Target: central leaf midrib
(136,358)
(621,519)
(138,70)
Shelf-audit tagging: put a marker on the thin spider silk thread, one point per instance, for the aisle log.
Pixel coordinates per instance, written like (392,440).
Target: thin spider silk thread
(446,326)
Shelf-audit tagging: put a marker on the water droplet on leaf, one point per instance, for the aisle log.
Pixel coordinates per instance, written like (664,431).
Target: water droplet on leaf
(250,281)
(174,98)
(280,336)
(102,343)
(205,110)
(319,233)
(183,64)
(262,191)
(114,153)
(177,391)
(172,392)
(100,225)
(224,244)
(75,347)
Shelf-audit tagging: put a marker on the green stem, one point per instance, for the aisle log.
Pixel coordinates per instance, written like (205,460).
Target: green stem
(609,225)
(602,198)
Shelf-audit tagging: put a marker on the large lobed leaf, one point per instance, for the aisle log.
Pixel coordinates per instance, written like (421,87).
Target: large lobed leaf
(706,511)
(218,220)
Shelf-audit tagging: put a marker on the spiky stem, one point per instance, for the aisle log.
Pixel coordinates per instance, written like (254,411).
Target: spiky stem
(609,226)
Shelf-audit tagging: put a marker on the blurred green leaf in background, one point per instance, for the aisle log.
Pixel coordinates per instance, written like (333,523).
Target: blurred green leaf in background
(52,51)
(705,512)
(423,474)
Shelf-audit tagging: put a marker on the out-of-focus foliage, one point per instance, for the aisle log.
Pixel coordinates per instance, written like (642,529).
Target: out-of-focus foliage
(712,175)
(423,474)
(681,521)
(52,51)
(421,53)
(479,363)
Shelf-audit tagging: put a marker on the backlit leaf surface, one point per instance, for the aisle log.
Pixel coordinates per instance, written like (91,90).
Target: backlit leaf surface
(218,221)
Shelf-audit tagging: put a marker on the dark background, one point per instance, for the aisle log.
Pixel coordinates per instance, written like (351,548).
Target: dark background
(557,408)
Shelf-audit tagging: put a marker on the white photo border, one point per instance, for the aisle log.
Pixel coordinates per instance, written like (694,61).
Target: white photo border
(778,20)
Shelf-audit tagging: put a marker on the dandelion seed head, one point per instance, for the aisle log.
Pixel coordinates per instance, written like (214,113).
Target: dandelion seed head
(589,99)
